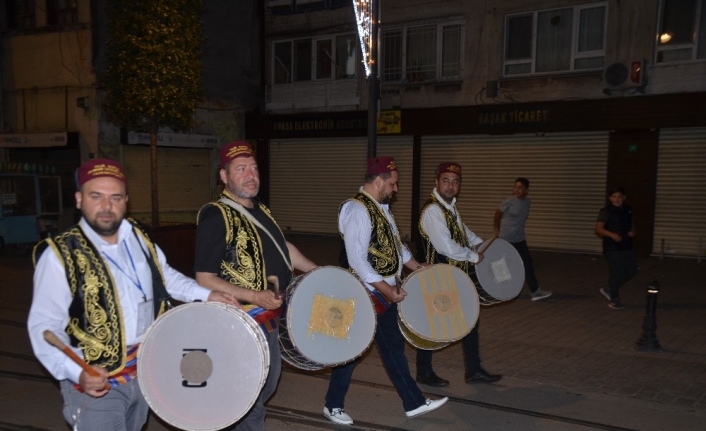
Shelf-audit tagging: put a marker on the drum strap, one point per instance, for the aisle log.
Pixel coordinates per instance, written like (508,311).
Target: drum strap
(236,206)
(267,319)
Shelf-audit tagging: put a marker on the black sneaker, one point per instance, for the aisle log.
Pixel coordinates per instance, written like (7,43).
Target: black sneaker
(616,305)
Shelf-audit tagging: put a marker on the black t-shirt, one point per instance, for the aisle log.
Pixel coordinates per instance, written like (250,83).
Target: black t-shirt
(618,220)
(211,244)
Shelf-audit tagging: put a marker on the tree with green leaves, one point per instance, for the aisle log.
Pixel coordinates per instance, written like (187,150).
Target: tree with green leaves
(153,69)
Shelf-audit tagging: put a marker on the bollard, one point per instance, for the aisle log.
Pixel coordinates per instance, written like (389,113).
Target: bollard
(648,341)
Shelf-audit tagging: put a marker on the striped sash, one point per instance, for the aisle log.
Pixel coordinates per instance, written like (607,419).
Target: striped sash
(128,372)
(266,318)
(380,301)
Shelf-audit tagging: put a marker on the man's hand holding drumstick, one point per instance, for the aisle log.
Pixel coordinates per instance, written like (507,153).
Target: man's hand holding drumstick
(93,379)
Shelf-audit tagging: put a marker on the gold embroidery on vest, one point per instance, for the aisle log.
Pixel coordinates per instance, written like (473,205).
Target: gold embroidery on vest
(95,340)
(385,257)
(456,232)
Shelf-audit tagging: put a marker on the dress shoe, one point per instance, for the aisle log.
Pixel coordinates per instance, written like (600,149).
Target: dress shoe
(432,379)
(428,406)
(482,376)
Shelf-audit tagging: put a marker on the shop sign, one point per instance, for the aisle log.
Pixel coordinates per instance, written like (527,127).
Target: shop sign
(513,117)
(33,140)
(168,139)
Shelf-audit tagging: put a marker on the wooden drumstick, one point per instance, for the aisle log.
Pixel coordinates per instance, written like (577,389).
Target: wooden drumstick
(398,280)
(56,342)
(274,280)
(486,245)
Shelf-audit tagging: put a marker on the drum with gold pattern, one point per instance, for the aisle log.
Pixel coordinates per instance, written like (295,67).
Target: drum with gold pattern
(328,320)
(441,306)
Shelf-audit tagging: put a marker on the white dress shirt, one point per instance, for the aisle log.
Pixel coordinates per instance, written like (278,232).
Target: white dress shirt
(52,294)
(434,224)
(354,223)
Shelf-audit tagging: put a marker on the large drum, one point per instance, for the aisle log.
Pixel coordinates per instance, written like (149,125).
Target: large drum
(501,273)
(329,319)
(201,366)
(441,306)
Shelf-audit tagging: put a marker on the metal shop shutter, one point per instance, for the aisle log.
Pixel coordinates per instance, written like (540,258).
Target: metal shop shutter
(680,203)
(567,182)
(309,179)
(183,178)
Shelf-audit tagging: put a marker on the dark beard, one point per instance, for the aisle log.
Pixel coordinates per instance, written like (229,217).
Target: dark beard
(109,231)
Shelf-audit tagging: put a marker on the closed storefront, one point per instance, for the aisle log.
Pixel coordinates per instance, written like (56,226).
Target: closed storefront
(680,224)
(566,173)
(310,178)
(184,180)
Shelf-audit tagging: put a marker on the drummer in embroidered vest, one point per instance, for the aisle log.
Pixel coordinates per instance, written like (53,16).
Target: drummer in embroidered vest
(374,250)
(444,238)
(239,249)
(97,287)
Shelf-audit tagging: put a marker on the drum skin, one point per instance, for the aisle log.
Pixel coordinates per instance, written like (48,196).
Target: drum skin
(201,366)
(329,319)
(501,273)
(441,306)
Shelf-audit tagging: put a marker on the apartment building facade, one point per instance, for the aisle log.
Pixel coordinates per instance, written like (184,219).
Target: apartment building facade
(51,68)
(576,95)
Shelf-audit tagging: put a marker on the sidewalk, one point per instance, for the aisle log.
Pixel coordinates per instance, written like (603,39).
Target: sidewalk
(574,340)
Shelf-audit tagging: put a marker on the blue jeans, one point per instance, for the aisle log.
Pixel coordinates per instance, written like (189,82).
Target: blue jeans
(471,356)
(390,344)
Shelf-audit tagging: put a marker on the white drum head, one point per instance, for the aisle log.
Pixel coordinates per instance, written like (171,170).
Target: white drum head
(441,303)
(201,366)
(501,274)
(330,319)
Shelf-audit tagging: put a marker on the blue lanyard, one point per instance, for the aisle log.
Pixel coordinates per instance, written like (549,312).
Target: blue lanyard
(136,281)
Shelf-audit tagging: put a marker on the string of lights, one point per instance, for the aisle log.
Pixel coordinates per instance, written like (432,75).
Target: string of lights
(363,16)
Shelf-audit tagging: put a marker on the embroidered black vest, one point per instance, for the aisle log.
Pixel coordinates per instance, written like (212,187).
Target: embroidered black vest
(243,263)
(458,234)
(95,317)
(383,254)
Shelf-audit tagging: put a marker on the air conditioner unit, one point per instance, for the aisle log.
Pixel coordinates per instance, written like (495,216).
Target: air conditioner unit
(624,74)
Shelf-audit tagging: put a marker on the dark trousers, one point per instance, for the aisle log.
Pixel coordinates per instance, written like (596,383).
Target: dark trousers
(254,420)
(471,356)
(622,265)
(390,344)
(530,278)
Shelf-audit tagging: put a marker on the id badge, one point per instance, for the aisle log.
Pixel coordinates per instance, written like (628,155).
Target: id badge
(145,313)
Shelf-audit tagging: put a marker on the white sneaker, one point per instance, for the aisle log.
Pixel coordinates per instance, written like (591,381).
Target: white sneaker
(540,294)
(338,416)
(428,406)
(605,293)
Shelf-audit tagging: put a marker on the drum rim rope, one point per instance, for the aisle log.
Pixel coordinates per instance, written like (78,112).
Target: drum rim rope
(413,336)
(485,297)
(285,336)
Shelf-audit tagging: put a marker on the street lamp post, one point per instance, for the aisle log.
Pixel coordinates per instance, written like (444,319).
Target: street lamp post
(366,14)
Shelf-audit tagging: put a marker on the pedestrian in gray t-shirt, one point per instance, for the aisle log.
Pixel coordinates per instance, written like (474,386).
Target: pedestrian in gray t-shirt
(509,221)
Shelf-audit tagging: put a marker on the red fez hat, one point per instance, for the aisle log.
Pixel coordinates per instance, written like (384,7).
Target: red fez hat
(96,168)
(449,167)
(234,150)
(380,165)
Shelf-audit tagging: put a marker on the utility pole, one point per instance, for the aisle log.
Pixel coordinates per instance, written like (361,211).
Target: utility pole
(373,84)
